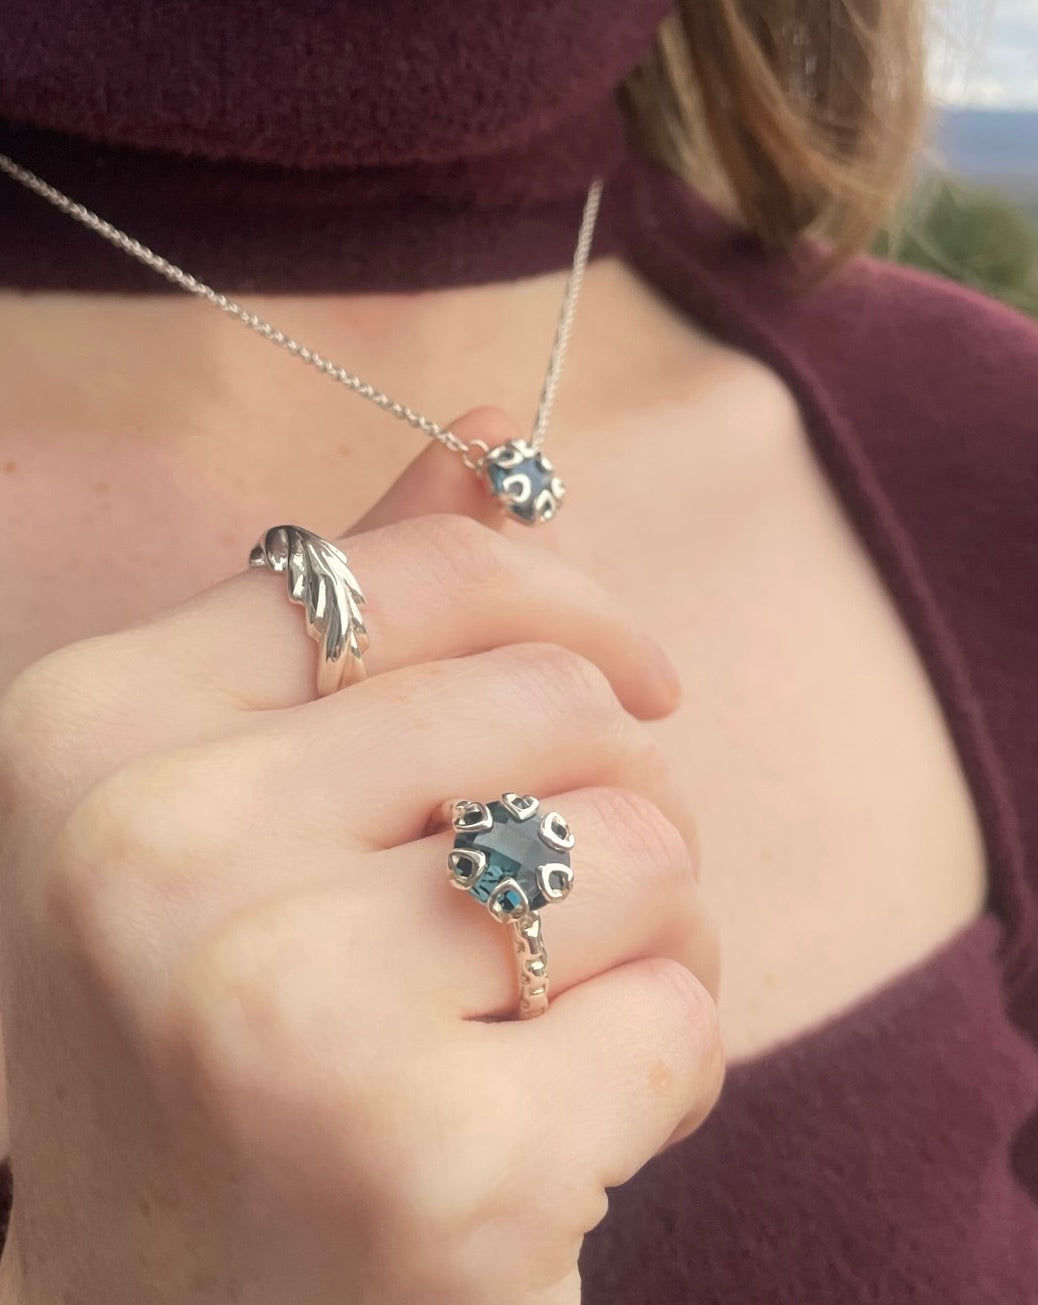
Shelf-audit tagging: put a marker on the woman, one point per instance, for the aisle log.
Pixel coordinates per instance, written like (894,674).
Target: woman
(256,1050)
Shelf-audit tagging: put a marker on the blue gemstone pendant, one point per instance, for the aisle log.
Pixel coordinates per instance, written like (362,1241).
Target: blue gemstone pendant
(510,856)
(523,481)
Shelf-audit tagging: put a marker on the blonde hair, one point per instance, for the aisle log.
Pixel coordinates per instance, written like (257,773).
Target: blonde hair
(796,116)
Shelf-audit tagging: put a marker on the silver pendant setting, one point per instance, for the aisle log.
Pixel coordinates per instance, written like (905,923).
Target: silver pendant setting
(523,481)
(517,473)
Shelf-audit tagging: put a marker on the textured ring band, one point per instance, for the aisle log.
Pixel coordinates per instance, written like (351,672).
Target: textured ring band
(319,579)
(514,860)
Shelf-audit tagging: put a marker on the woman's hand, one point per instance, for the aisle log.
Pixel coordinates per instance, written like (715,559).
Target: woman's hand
(258,1051)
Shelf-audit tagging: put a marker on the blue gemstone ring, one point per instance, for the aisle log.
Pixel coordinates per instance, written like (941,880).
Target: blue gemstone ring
(515,859)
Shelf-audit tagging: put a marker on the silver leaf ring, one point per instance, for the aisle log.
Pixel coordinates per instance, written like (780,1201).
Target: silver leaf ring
(320,580)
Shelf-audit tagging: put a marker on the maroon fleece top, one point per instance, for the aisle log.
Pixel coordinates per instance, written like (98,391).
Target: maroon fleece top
(891,1155)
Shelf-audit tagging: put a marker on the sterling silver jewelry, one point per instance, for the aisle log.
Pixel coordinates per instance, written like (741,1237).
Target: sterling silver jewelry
(514,859)
(517,473)
(319,578)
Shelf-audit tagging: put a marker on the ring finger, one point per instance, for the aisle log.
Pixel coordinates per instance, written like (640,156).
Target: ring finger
(635,894)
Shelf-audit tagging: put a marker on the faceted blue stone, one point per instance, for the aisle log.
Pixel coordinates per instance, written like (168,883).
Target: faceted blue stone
(523,481)
(514,849)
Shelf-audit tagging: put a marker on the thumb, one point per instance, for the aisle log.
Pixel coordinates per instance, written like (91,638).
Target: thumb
(438,481)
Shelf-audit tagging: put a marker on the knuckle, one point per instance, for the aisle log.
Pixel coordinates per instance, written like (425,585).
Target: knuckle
(649,843)
(640,760)
(225,1016)
(445,1201)
(60,716)
(220,983)
(470,552)
(111,831)
(34,724)
(251,1008)
(23,705)
(566,684)
(141,833)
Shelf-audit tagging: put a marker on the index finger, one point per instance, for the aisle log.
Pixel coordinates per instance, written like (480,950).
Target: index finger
(437,587)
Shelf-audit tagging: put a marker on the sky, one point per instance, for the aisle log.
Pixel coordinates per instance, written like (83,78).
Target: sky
(985,52)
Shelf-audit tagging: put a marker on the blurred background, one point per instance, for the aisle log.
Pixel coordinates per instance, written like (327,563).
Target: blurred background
(973,211)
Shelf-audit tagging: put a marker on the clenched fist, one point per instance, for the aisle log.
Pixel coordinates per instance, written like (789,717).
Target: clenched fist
(258,1051)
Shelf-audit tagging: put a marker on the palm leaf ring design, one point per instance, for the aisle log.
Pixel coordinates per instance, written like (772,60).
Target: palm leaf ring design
(319,578)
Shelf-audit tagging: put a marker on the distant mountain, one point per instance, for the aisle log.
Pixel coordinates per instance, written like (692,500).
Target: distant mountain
(996,145)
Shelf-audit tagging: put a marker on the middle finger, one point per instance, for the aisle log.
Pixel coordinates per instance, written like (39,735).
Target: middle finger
(527,717)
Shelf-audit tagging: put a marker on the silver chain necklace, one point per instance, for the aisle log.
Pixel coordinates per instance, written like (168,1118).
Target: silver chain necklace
(517,473)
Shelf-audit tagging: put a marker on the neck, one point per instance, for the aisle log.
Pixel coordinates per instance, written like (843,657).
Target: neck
(452,324)
(166,368)
(254,228)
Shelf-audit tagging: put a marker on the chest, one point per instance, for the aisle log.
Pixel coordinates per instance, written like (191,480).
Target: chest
(838,840)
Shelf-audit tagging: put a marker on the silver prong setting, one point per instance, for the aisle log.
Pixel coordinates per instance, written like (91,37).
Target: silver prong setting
(465,865)
(555,879)
(556,832)
(516,489)
(511,454)
(545,506)
(522,808)
(472,817)
(497,906)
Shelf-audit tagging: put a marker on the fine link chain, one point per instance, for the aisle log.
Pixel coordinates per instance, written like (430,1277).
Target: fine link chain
(568,311)
(256,323)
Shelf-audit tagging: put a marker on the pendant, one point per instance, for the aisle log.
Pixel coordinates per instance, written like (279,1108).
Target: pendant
(523,481)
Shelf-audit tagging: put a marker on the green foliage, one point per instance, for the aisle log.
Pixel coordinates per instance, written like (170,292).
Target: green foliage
(970,234)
